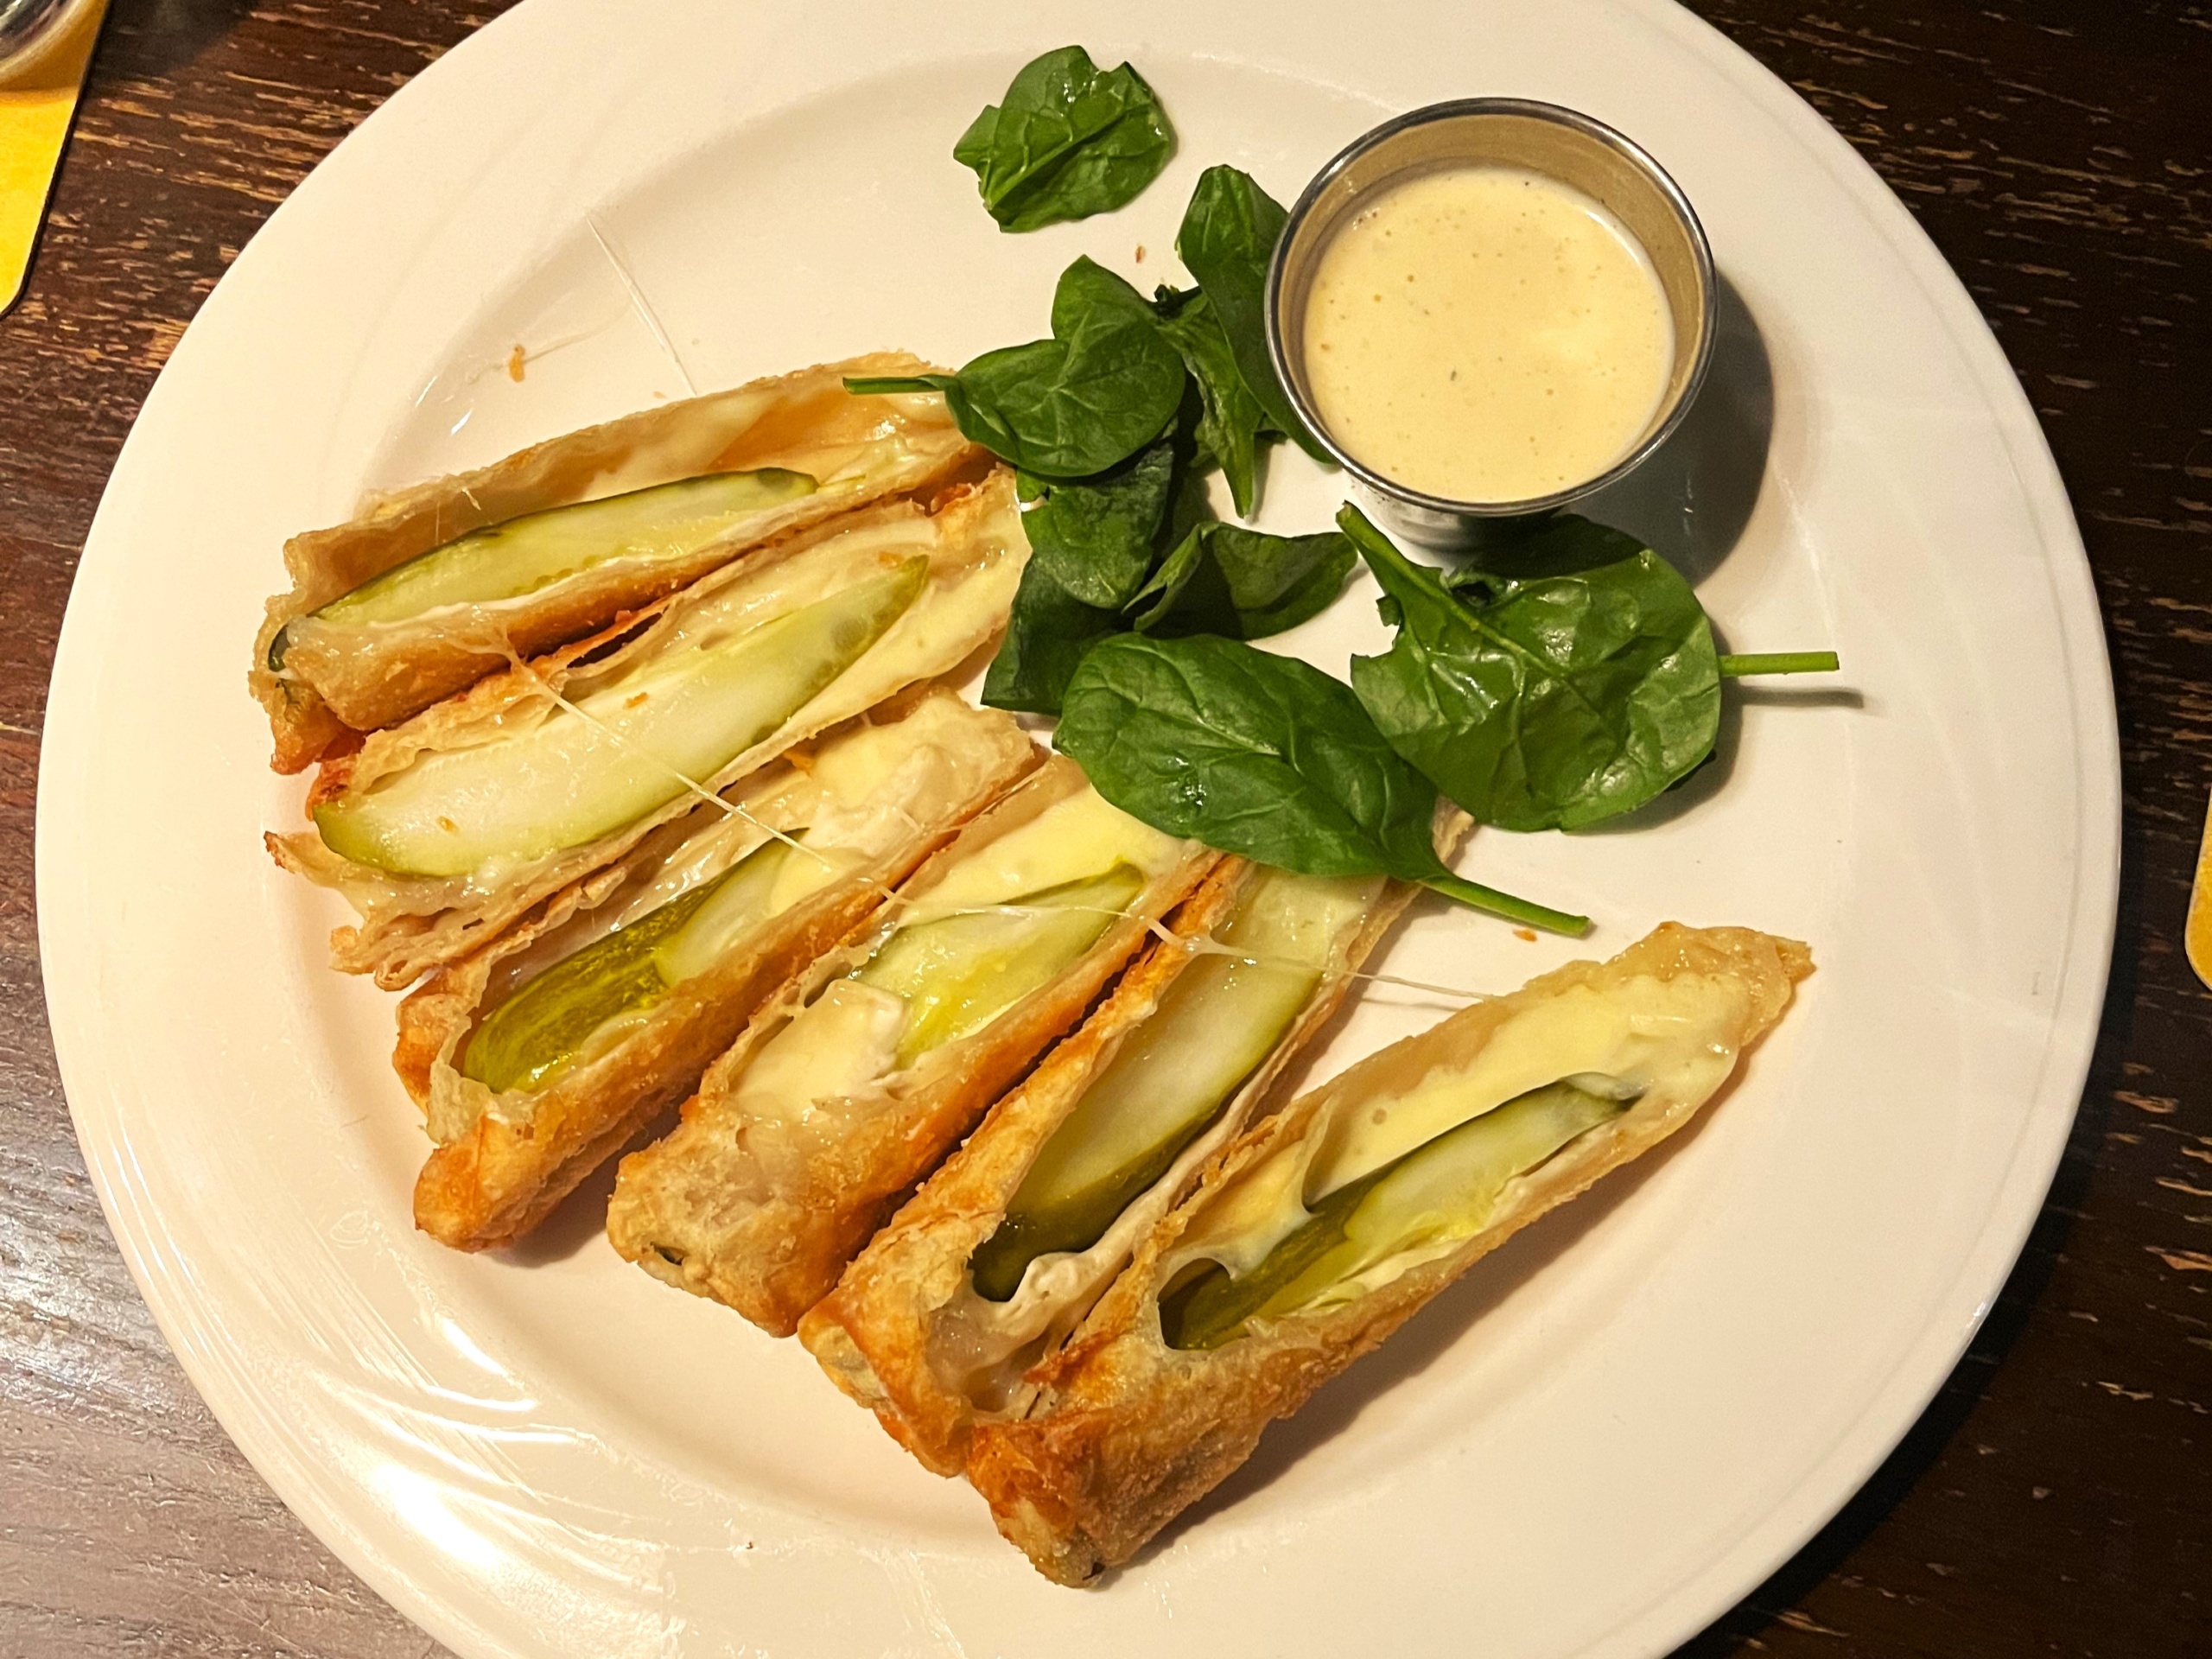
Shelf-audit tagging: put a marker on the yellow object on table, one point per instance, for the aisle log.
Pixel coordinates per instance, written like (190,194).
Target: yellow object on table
(2198,939)
(37,98)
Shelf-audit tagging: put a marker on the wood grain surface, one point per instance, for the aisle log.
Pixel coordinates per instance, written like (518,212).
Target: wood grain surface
(2053,1500)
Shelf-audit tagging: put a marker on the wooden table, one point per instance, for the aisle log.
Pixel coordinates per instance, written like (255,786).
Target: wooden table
(2056,1499)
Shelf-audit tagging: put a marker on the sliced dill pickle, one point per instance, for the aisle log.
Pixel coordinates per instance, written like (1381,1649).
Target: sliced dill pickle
(511,560)
(521,1043)
(1207,1308)
(572,778)
(1444,1188)
(958,973)
(1217,1021)
(742,900)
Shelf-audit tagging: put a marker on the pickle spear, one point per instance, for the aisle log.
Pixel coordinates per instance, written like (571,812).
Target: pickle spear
(518,558)
(1442,1189)
(638,743)
(1218,1020)
(958,973)
(525,1040)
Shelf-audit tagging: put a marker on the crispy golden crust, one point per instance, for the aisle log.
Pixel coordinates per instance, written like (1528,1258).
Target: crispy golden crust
(871,1334)
(763,1218)
(501,1178)
(412,924)
(409,927)
(880,1335)
(337,680)
(1129,1432)
(520,1154)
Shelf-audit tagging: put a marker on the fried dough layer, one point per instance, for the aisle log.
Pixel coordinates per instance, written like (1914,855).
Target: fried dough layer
(505,1158)
(1127,1431)
(762,1209)
(337,682)
(410,924)
(906,1334)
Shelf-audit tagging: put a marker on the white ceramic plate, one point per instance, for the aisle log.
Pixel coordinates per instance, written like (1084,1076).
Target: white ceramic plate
(1618,1424)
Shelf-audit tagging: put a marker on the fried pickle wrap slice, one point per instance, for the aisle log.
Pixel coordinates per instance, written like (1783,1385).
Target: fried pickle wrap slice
(442,831)
(1322,1230)
(854,1083)
(429,588)
(535,1058)
(992,1265)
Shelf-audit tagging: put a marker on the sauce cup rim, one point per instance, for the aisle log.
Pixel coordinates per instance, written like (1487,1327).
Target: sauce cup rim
(31,30)
(1390,489)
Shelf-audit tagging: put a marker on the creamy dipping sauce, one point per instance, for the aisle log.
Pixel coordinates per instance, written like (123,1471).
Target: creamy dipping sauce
(1486,334)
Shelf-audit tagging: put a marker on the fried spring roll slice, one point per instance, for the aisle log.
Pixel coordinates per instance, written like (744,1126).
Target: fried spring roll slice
(1001,1254)
(853,1084)
(535,1058)
(443,831)
(432,588)
(1323,1229)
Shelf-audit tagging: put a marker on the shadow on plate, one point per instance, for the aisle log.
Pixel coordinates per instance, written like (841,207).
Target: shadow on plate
(1691,500)
(580,1218)
(1702,784)
(1688,793)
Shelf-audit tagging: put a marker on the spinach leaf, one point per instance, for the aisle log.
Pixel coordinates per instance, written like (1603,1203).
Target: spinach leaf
(1093,545)
(1090,552)
(1253,753)
(1231,421)
(1047,633)
(972,149)
(1242,583)
(1229,234)
(1094,537)
(1069,141)
(1260,755)
(1103,387)
(1107,384)
(1191,503)
(1559,542)
(1570,682)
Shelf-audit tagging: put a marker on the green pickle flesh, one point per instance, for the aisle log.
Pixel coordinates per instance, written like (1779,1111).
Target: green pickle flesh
(1444,1188)
(523,556)
(1215,1024)
(643,738)
(958,973)
(526,1040)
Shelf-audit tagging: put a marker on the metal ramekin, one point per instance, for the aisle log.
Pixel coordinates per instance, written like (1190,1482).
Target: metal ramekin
(30,28)
(1497,131)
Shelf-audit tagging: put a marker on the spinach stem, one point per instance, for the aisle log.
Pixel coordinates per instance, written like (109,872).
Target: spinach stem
(1495,903)
(1777,662)
(864,385)
(1372,542)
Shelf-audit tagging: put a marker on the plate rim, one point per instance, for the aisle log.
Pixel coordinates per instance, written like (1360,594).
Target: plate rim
(1889,1411)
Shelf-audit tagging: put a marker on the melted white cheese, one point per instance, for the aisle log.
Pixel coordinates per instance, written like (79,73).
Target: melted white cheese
(679,450)
(1662,1039)
(1081,835)
(1297,926)
(837,1044)
(1654,1033)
